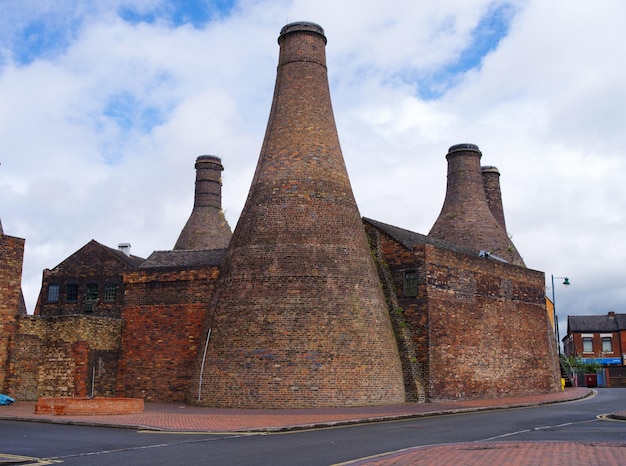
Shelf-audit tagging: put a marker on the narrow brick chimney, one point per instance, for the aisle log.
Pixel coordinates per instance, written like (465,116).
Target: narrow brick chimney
(298,318)
(207,227)
(491,183)
(466,218)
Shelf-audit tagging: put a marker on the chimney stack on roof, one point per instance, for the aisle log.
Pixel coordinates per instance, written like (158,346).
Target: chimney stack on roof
(467,218)
(207,227)
(125,248)
(298,318)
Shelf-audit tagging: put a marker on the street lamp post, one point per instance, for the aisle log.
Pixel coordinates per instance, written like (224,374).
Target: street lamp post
(556,319)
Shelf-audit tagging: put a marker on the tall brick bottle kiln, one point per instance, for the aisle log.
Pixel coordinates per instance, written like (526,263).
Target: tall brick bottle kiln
(466,218)
(207,227)
(299,318)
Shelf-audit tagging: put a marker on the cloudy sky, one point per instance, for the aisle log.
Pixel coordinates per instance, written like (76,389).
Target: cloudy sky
(104,106)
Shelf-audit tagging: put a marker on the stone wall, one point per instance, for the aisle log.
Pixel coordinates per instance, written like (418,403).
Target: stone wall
(63,356)
(11,257)
(163,317)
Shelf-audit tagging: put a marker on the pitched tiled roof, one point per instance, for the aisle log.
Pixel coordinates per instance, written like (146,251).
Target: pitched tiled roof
(132,261)
(410,239)
(184,258)
(603,323)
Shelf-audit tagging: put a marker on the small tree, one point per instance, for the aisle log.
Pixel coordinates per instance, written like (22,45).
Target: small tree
(586,365)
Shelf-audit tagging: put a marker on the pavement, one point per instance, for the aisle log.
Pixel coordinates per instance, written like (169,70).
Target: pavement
(180,417)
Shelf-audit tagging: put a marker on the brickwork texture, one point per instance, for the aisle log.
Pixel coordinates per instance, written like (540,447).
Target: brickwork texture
(480,326)
(207,227)
(299,318)
(64,356)
(11,259)
(465,218)
(163,319)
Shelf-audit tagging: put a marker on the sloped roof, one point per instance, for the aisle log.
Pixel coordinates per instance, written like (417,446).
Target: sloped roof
(603,323)
(132,261)
(409,239)
(184,258)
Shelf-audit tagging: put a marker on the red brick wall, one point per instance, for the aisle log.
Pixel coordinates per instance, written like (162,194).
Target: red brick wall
(84,407)
(11,257)
(489,330)
(163,319)
(577,349)
(480,325)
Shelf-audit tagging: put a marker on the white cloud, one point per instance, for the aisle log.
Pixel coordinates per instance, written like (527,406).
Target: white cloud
(100,128)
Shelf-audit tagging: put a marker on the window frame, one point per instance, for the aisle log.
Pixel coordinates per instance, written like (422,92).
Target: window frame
(410,283)
(56,295)
(91,292)
(110,292)
(73,296)
(604,339)
(587,339)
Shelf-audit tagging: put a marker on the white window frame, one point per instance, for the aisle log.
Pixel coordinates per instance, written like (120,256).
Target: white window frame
(584,337)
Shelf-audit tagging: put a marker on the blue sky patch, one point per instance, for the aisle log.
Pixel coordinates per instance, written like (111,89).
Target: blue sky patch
(129,113)
(41,39)
(180,12)
(491,29)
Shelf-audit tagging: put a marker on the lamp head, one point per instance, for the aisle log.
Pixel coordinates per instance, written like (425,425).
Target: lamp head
(566,282)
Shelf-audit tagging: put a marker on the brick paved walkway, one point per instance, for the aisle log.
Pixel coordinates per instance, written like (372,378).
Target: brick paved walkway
(187,418)
(505,453)
(182,417)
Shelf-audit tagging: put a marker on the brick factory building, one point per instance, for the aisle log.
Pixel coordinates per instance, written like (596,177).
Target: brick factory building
(305,303)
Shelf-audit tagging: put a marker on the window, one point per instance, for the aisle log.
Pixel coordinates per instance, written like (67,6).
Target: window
(607,345)
(53,293)
(91,294)
(110,292)
(410,283)
(587,345)
(71,292)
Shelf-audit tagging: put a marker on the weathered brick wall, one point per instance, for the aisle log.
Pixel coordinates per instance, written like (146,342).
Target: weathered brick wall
(480,326)
(301,320)
(163,319)
(11,257)
(56,356)
(488,328)
(398,258)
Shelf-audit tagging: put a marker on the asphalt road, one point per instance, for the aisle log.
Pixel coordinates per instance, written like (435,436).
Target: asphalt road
(574,421)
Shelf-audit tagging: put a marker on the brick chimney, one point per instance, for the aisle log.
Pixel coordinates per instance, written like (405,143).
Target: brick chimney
(207,227)
(466,218)
(491,183)
(298,318)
